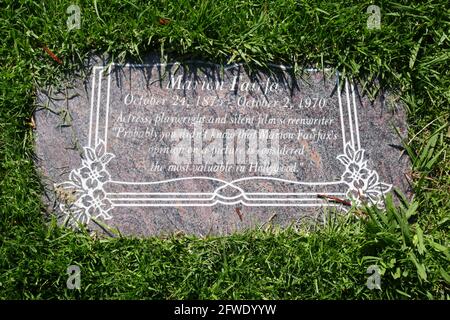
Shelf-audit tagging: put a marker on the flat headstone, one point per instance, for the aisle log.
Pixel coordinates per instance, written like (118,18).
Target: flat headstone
(205,149)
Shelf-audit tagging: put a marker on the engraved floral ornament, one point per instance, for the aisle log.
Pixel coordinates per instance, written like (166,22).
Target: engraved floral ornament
(87,184)
(91,201)
(363,184)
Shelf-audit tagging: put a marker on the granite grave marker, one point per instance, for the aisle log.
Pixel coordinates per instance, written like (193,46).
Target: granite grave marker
(204,149)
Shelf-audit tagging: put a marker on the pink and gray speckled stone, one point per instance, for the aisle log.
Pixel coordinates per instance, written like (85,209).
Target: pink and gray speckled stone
(127,180)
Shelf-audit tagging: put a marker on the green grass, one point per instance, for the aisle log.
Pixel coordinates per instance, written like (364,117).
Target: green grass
(409,54)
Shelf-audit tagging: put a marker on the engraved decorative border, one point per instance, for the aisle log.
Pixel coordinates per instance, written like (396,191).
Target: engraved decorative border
(93,199)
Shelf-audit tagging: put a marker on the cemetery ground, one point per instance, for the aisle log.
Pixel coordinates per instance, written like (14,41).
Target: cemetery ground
(409,54)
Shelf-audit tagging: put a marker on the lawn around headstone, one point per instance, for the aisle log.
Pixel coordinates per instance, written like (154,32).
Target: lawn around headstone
(225,149)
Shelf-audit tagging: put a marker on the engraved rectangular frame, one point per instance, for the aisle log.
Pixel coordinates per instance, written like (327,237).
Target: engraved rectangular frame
(308,198)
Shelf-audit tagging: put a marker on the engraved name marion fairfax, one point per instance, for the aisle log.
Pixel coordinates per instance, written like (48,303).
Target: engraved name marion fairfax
(268,86)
